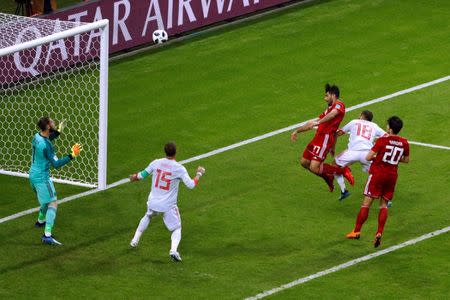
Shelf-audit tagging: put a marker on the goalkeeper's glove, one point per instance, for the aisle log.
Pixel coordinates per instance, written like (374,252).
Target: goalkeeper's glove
(55,132)
(61,126)
(76,149)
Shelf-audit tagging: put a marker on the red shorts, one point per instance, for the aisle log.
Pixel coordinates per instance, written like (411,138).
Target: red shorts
(319,147)
(381,185)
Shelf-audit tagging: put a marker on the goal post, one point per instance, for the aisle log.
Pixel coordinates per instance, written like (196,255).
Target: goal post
(103,120)
(57,69)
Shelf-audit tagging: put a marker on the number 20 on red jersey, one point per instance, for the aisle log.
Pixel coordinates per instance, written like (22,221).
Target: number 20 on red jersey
(393,155)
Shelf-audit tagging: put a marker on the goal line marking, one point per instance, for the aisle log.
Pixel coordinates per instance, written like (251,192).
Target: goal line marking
(249,141)
(348,264)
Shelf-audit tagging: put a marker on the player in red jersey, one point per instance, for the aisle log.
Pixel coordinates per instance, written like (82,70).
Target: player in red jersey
(386,154)
(317,150)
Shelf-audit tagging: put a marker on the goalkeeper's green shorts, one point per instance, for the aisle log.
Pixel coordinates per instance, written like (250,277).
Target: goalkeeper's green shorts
(45,191)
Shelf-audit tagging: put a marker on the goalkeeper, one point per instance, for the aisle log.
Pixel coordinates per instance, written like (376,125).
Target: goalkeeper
(43,156)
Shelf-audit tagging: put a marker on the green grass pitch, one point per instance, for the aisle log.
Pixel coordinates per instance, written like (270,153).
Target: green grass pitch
(257,220)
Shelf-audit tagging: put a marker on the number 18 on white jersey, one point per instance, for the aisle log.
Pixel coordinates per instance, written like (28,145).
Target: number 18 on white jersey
(362,134)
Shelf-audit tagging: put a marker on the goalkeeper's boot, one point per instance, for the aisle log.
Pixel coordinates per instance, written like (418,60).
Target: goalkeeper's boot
(175,256)
(353,235)
(348,175)
(329,180)
(39,224)
(50,240)
(377,241)
(344,195)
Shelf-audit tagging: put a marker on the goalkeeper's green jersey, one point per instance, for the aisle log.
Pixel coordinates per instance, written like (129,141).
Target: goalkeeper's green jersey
(43,157)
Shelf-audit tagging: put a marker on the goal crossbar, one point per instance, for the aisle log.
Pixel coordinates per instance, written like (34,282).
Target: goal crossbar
(54,37)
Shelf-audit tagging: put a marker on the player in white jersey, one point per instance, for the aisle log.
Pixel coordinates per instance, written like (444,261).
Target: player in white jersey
(363,133)
(166,176)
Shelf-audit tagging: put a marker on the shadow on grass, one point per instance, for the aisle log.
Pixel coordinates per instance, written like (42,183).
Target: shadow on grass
(60,251)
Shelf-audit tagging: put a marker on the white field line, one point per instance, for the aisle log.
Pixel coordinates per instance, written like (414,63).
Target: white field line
(348,264)
(248,141)
(429,145)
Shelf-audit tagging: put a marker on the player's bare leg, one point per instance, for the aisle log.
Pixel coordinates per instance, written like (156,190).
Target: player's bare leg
(305,163)
(175,238)
(143,225)
(316,168)
(382,217)
(361,218)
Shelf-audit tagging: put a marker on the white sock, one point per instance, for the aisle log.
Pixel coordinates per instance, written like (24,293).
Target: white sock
(176,238)
(340,181)
(143,224)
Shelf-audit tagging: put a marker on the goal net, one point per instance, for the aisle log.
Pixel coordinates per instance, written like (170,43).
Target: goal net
(57,69)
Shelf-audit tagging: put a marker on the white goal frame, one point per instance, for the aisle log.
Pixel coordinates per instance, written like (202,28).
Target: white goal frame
(103,25)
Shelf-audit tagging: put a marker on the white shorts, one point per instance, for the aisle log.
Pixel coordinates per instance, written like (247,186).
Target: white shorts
(350,156)
(172,217)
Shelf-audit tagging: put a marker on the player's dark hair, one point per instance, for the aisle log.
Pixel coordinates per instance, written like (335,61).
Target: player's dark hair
(43,122)
(368,115)
(170,149)
(395,123)
(332,89)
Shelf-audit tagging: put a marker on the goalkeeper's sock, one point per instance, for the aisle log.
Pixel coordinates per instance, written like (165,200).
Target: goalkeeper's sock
(50,220)
(143,224)
(176,238)
(42,213)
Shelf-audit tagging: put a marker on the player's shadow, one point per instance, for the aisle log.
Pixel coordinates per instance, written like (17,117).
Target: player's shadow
(155,261)
(65,250)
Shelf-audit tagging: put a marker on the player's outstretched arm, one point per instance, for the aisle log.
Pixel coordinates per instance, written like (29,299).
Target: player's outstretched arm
(371,155)
(144,173)
(308,126)
(328,117)
(57,163)
(340,132)
(139,176)
(405,159)
(192,182)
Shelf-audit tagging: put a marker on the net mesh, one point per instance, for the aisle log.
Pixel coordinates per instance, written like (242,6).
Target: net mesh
(58,79)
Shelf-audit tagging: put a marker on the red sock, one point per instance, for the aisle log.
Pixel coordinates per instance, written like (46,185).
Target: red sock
(330,169)
(361,218)
(382,217)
